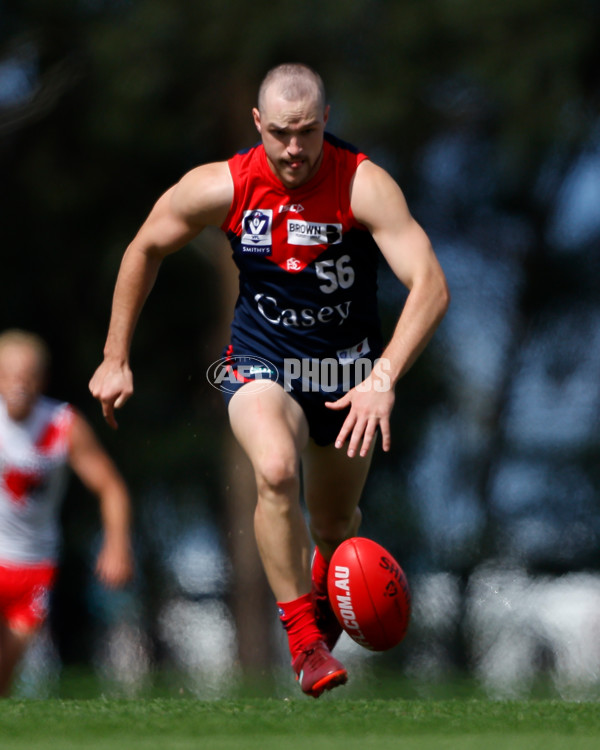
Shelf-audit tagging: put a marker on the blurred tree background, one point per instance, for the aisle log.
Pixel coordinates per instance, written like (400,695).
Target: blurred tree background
(486,114)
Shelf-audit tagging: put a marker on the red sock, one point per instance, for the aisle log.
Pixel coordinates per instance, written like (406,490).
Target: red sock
(319,569)
(298,619)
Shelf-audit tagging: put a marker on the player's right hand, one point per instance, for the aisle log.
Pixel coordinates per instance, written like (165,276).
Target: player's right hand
(112,385)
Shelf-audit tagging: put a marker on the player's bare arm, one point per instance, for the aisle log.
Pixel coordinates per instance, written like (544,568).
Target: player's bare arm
(379,204)
(201,198)
(98,473)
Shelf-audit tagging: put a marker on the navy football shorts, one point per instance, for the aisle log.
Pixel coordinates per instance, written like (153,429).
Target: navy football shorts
(328,384)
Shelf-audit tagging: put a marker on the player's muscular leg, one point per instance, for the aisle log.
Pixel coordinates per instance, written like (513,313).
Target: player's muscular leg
(272,430)
(333,484)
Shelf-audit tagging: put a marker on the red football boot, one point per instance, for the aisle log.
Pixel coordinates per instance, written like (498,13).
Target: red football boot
(317,670)
(327,622)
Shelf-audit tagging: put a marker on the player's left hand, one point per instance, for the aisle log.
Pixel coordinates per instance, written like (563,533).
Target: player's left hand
(371,403)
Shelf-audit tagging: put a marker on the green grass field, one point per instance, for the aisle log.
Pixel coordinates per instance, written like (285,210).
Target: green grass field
(286,724)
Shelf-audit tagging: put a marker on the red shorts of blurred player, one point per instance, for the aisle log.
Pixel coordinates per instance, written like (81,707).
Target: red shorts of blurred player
(25,593)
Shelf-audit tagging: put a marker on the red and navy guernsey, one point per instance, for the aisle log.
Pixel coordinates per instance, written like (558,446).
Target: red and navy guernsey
(307,268)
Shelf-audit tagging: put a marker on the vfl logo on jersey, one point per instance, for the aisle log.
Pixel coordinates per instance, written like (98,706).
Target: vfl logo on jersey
(256,231)
(313,233)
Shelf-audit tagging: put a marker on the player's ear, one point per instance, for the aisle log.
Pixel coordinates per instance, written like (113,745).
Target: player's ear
(256,117)
(326,115)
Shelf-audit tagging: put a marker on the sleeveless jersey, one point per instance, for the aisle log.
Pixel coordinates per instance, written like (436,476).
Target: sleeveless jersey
(33,469)
(307,268)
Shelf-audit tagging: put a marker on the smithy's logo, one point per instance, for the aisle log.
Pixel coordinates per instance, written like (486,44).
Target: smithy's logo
(256,228)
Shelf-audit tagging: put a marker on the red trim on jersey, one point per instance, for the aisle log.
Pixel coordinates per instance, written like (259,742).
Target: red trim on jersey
(232,368)
(20,483)
(49,437)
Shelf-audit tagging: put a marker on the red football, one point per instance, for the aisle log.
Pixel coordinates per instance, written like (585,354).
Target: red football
(369,594)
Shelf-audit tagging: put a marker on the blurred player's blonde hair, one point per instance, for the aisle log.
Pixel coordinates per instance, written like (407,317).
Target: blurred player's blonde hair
(19,337)
(294,81)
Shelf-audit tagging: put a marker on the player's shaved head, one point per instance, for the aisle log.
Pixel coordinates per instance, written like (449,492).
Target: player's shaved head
(293,82)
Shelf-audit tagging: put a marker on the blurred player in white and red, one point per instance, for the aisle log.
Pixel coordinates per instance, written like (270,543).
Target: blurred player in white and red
(39,439)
